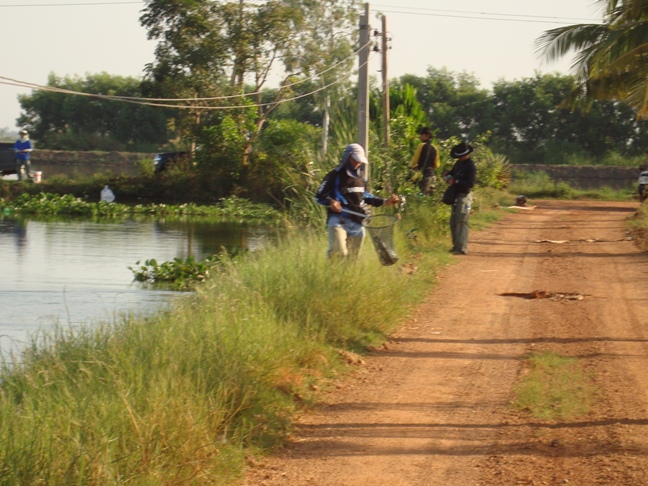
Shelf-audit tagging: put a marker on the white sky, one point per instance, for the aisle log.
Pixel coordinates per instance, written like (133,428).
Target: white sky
(492,40)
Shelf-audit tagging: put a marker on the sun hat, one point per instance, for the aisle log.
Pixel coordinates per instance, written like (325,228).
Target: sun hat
(460,150)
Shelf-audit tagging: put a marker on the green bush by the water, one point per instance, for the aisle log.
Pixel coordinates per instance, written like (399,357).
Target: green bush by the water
(231,208)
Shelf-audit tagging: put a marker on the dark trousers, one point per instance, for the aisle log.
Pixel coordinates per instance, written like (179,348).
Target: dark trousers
(459,219)
(26,164)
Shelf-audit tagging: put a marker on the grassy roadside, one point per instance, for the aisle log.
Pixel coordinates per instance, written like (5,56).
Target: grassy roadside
(185,396)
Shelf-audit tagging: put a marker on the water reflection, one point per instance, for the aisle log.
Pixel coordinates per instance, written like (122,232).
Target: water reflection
(74,271)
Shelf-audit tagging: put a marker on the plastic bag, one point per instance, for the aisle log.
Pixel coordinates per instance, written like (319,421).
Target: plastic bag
(107,195)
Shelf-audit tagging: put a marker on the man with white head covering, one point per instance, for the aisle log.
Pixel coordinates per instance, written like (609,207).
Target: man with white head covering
(23,148)
(345,188)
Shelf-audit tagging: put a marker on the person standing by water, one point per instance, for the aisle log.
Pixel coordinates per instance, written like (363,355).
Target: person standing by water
(462,175)
(426,161)
(23,147)
(345,189)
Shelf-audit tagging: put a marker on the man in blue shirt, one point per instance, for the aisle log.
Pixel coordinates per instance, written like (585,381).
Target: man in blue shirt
(345,189)
(23,148)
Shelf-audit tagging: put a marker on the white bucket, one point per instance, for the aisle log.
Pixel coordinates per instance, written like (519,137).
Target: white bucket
(38,176)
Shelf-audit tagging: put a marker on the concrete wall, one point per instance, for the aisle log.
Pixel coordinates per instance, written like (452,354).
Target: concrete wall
(586,177)
(53,162)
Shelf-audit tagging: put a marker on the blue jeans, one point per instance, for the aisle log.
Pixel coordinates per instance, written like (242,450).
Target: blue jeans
(345,236)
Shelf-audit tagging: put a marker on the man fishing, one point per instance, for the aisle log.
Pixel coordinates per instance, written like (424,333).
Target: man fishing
(344,192)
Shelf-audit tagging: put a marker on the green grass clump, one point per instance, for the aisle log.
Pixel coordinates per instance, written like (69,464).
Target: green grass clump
(554,388)
(227,209)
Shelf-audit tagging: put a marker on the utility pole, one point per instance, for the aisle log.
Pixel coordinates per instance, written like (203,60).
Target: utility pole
(385,80)
(363,81)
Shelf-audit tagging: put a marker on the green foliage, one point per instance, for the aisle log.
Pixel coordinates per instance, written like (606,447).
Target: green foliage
(232,208)
(179,274)
(530,128)
(524,117)
(611,60)
(493,170)
(539,185)
(64,122)
(282,157)
(454,103)
(205,52)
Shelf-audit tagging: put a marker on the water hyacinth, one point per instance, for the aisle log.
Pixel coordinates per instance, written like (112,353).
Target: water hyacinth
(229,209)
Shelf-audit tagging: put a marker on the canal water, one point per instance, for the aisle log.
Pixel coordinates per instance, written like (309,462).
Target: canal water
(76,272)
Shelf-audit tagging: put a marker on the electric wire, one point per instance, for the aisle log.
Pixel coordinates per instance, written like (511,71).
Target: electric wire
(24,84)
(70,4)
(460,14)
(418,9)
(479,18)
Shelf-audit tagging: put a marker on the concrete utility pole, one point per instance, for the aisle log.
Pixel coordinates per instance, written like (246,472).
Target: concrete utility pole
(363,81)
(385,79)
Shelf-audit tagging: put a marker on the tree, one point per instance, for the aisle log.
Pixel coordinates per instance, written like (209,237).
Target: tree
(208,50)
(71,122)
(453,102)
(327,40)
(530,127)
(612,60)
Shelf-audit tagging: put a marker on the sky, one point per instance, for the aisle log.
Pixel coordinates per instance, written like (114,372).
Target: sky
(492,40)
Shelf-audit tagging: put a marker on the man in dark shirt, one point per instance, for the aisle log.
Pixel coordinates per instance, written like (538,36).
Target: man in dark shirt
(426,160)
(462,175)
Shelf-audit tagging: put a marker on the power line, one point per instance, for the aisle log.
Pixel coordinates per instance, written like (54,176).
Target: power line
(503,17)
(141,101)
(85,4)
(153,101)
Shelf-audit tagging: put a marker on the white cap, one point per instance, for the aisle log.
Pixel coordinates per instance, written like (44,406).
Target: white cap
(358,153)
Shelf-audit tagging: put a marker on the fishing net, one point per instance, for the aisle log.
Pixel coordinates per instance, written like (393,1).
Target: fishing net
(381,230)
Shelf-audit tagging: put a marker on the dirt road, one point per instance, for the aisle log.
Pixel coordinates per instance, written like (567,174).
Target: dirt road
(434,407)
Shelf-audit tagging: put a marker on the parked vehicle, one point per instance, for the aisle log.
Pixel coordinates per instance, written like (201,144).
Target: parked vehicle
(164,160)
(7,158)
(643,184)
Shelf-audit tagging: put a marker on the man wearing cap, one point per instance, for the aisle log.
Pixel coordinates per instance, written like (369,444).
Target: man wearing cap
(462,175)
(345,189)
(426,161)
(23,147)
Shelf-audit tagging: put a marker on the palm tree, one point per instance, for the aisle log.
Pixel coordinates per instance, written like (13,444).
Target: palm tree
(612,57)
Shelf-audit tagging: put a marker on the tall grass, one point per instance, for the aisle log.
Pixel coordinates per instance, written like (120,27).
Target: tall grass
(184,396)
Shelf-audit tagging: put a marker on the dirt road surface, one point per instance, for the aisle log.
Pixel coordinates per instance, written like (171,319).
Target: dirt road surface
(434,407)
